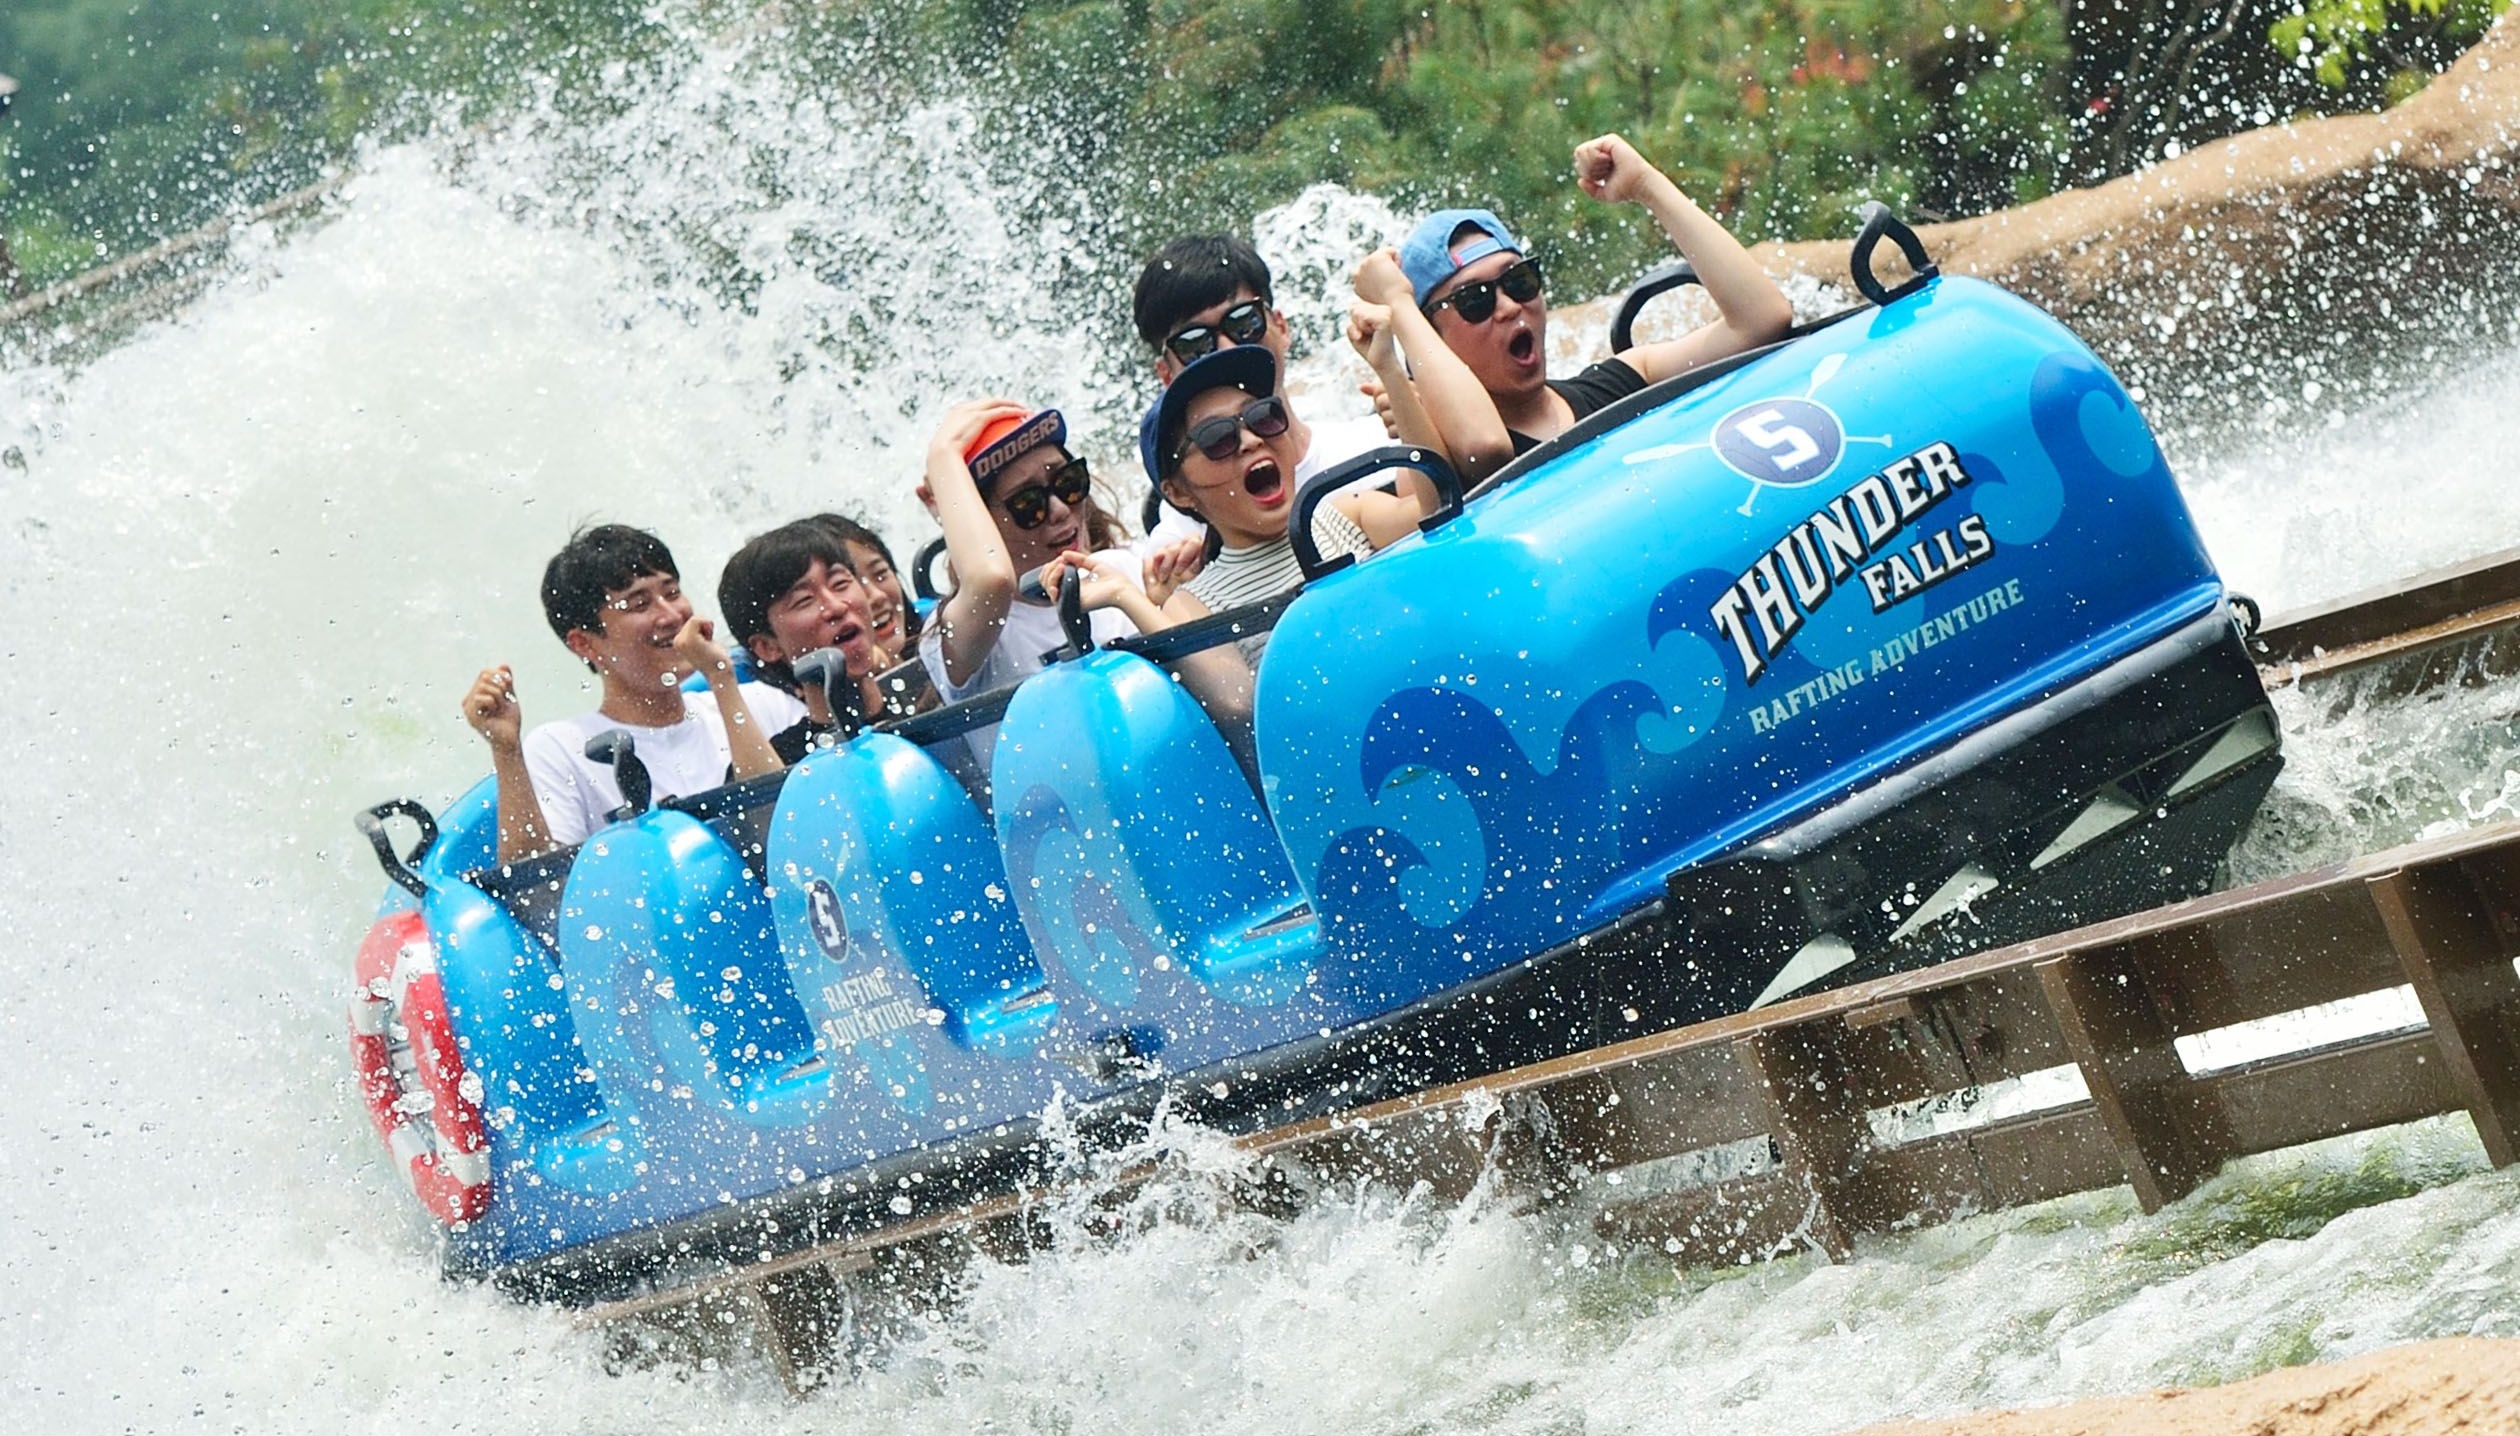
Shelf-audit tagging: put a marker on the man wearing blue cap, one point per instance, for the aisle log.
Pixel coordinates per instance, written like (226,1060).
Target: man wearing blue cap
(1481,290)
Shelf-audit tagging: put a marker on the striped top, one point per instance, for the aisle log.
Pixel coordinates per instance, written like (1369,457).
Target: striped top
(1240,576)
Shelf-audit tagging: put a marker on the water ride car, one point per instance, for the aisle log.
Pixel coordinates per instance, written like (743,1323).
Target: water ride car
(1885,643)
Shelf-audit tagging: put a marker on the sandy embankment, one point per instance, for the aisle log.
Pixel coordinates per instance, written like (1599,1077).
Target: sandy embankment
(2467,1386)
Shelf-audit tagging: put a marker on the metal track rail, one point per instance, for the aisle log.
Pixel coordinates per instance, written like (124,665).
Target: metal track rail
(1805,1109)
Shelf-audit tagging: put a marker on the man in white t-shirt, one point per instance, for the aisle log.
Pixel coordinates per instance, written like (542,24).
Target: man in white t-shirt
(1206,292)
(615,598)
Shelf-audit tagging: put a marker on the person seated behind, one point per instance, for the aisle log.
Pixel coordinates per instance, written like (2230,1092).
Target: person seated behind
(614,597)
(1220,442)
(895,617)
(1206,292)
(1012,499)
(785,594)
(907,687)
(1482,292)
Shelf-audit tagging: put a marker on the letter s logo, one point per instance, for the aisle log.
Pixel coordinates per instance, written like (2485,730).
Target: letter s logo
(1788,442)
(1788,448)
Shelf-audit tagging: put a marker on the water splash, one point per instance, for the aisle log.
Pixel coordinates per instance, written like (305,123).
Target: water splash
(254,554)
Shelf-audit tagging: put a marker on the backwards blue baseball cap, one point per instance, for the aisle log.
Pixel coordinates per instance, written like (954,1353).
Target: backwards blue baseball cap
(1429,258)
(1251,368)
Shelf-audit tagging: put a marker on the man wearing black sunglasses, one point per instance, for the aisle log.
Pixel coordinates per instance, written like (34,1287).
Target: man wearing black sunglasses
(1483,293)
(1206,292)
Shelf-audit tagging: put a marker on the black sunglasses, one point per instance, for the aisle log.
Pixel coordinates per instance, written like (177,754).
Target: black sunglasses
(1476,303)
(1244,324)
(1029,507)
(1219,437)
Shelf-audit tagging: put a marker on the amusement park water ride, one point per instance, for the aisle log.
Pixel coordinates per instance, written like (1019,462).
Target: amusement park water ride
(1888,643)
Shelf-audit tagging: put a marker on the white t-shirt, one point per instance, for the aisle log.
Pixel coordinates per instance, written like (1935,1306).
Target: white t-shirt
(1031,630)
(1335,442)
(579,794)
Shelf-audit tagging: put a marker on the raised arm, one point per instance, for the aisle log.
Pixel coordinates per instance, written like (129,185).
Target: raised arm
(968,622)
(1750,309)
(747,746)
(491,708)
(1453,400)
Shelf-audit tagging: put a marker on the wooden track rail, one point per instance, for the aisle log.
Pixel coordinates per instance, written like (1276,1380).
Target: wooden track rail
(1803,1087)
(2451,625)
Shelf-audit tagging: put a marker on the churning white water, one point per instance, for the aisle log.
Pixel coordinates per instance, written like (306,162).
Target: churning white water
(252,556)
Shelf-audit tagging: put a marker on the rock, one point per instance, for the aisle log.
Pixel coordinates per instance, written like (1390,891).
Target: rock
(2431,1388)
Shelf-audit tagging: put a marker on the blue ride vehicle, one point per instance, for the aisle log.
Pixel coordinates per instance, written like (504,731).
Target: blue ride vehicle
(1886,643)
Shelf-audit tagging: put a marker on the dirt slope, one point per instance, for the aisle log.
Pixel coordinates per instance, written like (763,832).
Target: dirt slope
(2468,1386)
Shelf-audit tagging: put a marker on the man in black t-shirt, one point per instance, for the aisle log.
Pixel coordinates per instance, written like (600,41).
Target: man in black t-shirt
(1482,291)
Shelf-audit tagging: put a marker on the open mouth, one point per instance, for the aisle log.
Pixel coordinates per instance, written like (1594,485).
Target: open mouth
(1265,481)
(1523,347)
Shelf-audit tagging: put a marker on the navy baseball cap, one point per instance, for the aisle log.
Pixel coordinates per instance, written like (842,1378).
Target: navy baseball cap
(1428,257)
(1248,367)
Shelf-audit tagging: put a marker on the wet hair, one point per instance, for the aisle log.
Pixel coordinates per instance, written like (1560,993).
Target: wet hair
(764,568)
(598,561)
(1193,273)
(850,531)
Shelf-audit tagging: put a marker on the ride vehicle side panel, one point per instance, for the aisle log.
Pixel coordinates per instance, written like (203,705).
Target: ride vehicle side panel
(1731,611)
(1146,871)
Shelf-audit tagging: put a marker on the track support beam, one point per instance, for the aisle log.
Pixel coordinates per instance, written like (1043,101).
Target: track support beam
(2456,956)
(2169,1132)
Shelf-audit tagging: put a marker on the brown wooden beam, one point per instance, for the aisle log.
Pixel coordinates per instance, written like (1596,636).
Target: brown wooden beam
(2445,934)
(1818,1131)
(2168,1132)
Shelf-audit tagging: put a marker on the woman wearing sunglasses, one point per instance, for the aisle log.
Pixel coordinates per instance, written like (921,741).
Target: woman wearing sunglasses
(1011,499)
(1484,295)
(1220,444)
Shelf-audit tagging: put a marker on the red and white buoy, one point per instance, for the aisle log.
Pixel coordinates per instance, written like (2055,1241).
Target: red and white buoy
(425,1106)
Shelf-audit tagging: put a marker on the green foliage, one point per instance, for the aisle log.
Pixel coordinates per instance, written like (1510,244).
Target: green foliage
(139,118)
(1780,117)
(2333,37)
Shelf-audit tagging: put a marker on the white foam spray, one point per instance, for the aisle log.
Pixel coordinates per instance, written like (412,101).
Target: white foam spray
(253,555)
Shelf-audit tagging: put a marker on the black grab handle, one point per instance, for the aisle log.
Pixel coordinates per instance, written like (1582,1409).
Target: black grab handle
(616,747)
(1879,223)
(1074,621)
(923,569)
(828,670)
(371,825)
(1338,476)
(1661,281)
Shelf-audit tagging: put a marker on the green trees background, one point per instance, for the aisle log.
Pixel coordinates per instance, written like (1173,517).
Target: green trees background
(139,118)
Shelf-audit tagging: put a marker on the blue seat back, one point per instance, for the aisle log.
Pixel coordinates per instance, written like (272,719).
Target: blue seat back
(540,1103)
(1137,849)
(894,913)
(676,982)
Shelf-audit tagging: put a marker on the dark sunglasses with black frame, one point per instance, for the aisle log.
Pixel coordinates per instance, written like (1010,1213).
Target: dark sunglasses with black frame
(1219,437)
(1476,303)
(1029,507)
(1243,324)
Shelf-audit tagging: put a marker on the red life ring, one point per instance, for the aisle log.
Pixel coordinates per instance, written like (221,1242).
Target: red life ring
(399,1033)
